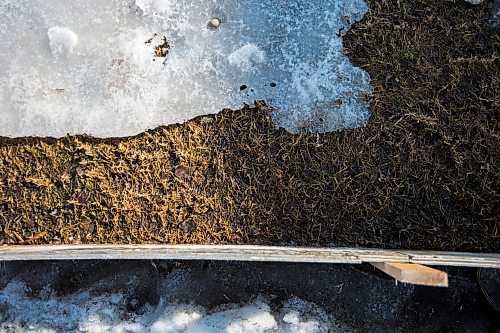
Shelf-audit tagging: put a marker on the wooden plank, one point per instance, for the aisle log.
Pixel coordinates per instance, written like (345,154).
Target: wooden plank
(197,252)
(414,273)
(453,258)
(245,253)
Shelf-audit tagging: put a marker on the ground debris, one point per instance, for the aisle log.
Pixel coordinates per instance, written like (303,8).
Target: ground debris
(162,49)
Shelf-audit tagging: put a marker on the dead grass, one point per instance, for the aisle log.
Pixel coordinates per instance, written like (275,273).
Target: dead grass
(424,174)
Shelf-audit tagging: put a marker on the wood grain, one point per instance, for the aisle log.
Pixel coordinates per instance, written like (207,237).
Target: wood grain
(246,253)
(414,273)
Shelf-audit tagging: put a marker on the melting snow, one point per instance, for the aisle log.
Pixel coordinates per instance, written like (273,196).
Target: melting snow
(88,66)
(21,311)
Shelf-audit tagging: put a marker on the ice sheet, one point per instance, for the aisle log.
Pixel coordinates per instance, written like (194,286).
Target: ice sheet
(85,67)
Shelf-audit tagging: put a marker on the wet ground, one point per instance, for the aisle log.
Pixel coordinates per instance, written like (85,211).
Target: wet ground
(356,295)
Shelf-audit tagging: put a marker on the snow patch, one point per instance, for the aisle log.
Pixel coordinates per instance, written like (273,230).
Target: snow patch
(101,76)
(84,311)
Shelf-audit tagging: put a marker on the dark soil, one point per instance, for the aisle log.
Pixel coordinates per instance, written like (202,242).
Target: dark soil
(423,174)
(358,296)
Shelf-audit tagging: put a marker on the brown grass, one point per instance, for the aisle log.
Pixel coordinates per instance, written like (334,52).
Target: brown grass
(424,174)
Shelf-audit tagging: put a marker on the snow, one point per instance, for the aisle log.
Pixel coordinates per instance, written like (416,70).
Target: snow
(86,66)
(247,57)
(23,310)
(61,40)
(153,6)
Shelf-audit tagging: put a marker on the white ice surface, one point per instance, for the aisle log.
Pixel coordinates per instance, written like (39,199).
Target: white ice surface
(62,41)
(21,310)
(84,67)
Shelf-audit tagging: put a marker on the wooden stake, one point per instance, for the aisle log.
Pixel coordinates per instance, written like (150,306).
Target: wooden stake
(414,273)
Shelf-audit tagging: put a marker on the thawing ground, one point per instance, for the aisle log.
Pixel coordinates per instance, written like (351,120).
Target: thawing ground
(89,66)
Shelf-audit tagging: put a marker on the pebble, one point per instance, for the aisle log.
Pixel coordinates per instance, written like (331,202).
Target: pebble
(214,23)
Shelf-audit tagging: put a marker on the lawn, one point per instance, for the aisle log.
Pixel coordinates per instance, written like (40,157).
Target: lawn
(422,174)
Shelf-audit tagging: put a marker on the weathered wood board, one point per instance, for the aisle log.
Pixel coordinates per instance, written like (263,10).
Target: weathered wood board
(247,253)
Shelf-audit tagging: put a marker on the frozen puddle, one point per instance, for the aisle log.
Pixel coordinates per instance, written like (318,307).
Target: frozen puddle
(84,311)
(90,66)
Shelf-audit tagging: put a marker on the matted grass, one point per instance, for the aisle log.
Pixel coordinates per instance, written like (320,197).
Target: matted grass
(424,173)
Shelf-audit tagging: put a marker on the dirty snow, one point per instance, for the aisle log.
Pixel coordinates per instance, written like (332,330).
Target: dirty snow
(23,310)
(86,67)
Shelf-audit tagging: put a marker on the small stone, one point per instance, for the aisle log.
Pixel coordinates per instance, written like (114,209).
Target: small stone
(214,23)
